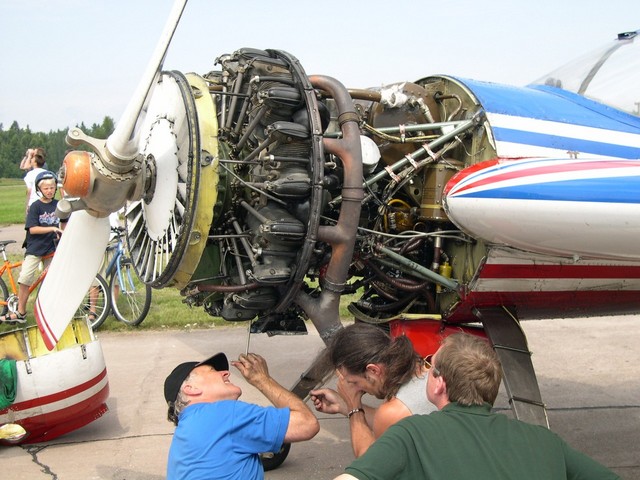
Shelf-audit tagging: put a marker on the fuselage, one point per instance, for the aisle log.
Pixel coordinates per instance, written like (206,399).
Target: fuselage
(556,209)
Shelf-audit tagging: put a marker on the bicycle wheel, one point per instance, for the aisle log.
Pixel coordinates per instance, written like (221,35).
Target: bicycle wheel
(4,296)
(130,296)
(96,303)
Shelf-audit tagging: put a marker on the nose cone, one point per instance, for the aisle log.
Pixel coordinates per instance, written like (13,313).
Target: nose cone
(77,174)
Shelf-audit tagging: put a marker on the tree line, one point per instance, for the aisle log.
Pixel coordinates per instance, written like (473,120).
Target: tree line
(15,141)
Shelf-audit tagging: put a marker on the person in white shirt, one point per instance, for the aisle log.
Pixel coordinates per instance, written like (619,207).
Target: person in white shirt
(37,162)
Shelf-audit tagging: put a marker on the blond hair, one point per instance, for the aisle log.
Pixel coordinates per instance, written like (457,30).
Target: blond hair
(470,368)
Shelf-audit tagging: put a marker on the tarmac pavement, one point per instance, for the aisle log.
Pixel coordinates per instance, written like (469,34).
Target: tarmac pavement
(587,370)
(13,232)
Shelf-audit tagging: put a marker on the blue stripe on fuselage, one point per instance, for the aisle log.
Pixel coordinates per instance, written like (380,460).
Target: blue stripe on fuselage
(542,102)
(603,190)
(565,143)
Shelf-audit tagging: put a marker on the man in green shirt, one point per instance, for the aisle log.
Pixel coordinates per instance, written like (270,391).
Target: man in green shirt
(464,440)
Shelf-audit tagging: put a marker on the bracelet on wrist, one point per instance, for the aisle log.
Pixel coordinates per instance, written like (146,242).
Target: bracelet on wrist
(355,410)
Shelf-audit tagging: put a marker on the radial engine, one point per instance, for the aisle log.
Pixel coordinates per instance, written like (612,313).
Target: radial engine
(256,204)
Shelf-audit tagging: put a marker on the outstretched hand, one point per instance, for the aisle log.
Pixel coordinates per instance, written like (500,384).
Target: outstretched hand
(253,368)
(326,400)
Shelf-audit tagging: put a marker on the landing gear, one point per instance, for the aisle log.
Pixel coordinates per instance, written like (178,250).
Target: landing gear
(272,460)
(510,343)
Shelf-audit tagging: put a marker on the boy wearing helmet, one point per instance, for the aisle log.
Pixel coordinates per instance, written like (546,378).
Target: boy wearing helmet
(43,232)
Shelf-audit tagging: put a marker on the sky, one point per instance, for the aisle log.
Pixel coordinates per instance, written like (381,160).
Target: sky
(64,62)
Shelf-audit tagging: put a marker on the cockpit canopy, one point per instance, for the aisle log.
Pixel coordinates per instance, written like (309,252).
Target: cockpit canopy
(609,75)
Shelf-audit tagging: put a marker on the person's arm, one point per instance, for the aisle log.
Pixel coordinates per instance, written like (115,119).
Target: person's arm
(28,181)
(27,200)
(39,230)
(580,465)
(361,433)
(303,424)
(359,422)
(25,163)
(345,476)
(387,414)
(329,401)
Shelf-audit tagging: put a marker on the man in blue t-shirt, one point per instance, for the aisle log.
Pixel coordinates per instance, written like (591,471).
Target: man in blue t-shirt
(218,436)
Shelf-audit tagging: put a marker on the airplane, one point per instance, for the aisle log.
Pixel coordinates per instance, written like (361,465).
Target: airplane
(264,195)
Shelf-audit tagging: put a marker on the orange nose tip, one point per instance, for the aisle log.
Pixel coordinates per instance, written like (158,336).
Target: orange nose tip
(77,177)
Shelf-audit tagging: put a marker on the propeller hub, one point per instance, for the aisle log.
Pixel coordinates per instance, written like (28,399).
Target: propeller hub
(89,185)
(77,174)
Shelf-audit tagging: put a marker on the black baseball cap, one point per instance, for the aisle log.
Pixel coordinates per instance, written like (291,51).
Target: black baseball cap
(174,381)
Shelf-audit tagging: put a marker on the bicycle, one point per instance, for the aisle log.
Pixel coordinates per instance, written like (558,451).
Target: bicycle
(96,302)
(130,297)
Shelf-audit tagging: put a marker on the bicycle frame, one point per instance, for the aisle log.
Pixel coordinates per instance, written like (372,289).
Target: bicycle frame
(8,267)
(115,264)
(119,250)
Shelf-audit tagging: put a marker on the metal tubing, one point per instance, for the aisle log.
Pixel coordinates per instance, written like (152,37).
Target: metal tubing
(245,242)
(324,310)
(435,277)
(438,142)
(234,99)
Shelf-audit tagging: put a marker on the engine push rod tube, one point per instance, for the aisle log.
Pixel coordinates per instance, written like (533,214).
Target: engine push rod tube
(440,141)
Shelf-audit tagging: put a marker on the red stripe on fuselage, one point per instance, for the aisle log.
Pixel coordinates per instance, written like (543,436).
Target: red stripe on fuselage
(559,271)
(50,425)
(549,305)
(55,397)
(533,171)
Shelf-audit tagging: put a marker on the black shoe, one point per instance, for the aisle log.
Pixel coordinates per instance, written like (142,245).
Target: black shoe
(14,317)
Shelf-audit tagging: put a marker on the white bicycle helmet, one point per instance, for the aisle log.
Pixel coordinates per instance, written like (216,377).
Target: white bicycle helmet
(46,175)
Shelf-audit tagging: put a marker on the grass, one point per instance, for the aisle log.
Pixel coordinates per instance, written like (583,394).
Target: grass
(12,200)
(167,310)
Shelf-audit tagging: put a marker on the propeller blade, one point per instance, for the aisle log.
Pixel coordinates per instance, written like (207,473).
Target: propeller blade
(122,142)
(71,273)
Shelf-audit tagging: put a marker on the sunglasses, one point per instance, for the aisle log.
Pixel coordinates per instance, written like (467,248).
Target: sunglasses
(430,366)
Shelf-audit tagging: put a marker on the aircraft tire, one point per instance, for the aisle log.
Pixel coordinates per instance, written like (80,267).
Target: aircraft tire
(272,460)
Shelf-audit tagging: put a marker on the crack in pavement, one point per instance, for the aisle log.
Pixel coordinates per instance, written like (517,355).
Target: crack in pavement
(33,451)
